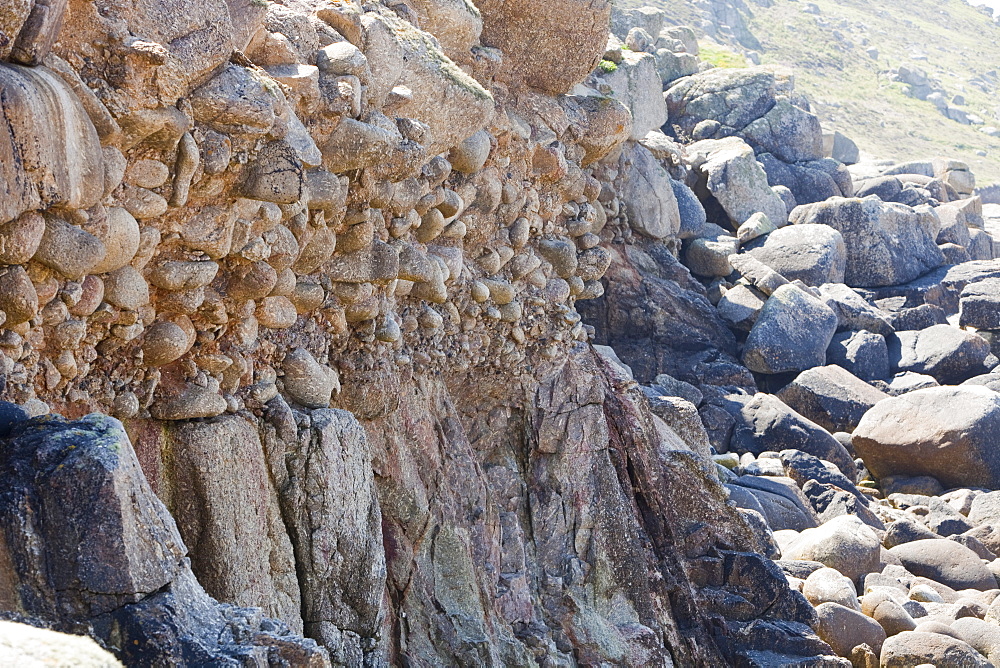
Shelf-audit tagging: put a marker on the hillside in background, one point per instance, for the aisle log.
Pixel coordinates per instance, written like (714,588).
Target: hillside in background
(845,55)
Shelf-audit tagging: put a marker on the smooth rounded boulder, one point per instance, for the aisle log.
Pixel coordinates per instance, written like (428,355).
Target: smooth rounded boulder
(985,509)
(950,433)
(983,636)
(845,543)
(946,562)
(843,629)
(892,617)
(913,648)
(828,585)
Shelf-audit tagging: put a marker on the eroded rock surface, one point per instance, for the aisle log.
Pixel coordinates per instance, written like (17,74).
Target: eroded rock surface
(443,334)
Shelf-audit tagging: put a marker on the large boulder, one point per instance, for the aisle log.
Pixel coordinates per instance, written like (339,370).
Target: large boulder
(50,153)
(749,102)
(916,648)
(947,353)
(709,255)
(226,511)
(186,39)
(740,306)
(843,629)
(947,562)
(887,244)
(985,509)
(982,635)
(692,212)
(792,333)
(813,254)
(729,172)
(602,124)
(853,312)
(841,148)
(788,132)
(864,354)
(831,397)
(733,98)
(551,48)
(646,191)
(826,585)
(979,305)
(636,84)
(950,433)
(845,544)
(673,65)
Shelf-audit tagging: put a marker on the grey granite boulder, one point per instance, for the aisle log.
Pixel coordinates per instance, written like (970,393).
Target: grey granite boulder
(831,397)
(736,180)
(813,254)
(645,188)
(789,132)
(853,312)
(950,433)
(887,244)
(792,333)
(979,305)
(636,83)
(692,213)
(947,353)
(864,354)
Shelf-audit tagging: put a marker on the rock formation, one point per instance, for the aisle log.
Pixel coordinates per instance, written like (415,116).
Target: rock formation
(434,334)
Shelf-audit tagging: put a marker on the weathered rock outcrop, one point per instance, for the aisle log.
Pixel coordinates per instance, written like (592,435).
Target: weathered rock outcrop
(113,560)
(439,334)
(323,261)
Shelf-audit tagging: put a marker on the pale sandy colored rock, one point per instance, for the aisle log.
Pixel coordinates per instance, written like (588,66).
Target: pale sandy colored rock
(27,646)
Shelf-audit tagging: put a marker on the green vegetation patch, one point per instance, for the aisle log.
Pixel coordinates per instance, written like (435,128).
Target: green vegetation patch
(720,56)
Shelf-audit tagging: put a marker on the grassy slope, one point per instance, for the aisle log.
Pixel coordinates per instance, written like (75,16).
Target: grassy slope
(852,92)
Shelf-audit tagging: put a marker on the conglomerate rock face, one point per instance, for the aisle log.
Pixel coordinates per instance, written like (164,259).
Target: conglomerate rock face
(322,261)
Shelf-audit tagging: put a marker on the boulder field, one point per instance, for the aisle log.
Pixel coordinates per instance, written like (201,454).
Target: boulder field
(441,333)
